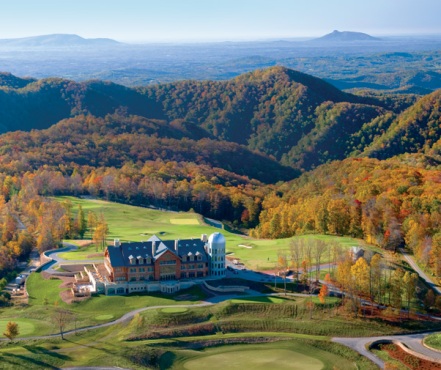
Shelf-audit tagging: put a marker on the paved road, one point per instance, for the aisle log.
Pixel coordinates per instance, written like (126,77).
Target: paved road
(413,341)
(54,254)
(410,260)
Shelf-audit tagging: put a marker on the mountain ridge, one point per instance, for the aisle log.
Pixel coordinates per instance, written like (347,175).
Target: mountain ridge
(297,119)
(346,36)
(57,40)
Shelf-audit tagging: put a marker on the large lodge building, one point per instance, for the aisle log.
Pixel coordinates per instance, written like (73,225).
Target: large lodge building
(159,265)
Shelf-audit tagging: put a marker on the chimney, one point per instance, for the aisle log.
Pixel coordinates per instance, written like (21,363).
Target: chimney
(177,245)
(153,248)
(116,243)
(204,238)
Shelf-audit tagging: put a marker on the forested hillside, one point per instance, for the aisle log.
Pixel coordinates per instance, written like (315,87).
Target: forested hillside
(277,111)
(234,151)
(415,130)
(389,203)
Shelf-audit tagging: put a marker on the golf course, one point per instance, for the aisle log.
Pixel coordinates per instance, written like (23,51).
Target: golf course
(130,223)
(191,329)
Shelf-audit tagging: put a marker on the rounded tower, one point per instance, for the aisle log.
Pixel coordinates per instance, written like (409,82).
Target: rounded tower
(216,250)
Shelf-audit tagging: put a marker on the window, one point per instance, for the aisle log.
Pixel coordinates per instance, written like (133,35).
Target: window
(183,267)
(141,269)
(150,269)
(132,269)
(201,266)
(170,262)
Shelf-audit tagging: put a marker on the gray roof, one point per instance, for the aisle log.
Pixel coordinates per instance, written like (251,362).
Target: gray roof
(119,256)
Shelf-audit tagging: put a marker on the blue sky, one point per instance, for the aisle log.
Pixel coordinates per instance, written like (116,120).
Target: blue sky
(216,20)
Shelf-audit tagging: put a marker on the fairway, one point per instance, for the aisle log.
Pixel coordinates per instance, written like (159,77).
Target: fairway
(184,221)
(263,359)
(24,327)
(130,223)
(174,310)
(259,300)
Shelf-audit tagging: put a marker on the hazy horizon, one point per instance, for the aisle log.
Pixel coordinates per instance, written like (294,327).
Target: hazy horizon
(137,21)
(202,41)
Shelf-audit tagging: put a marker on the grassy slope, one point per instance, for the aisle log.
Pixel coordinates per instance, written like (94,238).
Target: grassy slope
(136,224)
(37,318)
(434,341)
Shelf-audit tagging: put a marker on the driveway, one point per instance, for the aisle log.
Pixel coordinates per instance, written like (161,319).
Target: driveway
(56,259)
(411,261)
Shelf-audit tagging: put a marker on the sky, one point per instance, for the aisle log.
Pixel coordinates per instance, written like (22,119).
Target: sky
(216,20)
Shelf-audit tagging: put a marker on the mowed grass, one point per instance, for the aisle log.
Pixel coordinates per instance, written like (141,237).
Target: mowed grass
(259,300)
(44,300)
(259,359)
(43,291)
(184,221)
(174,310)
(130,223)
(290,354)
(82,253)
(433,340)
(25,327)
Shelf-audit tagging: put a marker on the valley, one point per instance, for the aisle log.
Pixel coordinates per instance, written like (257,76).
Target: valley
(301,154)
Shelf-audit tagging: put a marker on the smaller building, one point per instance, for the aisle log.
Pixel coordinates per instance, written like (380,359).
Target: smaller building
(356,252)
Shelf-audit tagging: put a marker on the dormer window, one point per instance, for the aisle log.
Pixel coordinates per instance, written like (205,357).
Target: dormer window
(184,258)
(190,256)
(132,260)
(139,260)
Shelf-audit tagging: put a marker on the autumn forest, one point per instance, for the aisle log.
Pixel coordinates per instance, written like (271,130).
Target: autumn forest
(273,153)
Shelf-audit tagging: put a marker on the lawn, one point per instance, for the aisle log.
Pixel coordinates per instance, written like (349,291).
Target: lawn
(104,348)
(44,299)
(25,327)
(258,359)
(433,340)
(82,253)
(289,354)
(136,224)
(259,299)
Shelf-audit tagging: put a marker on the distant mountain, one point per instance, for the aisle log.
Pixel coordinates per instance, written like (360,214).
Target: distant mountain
(56,40)
(9,80)
(346,36)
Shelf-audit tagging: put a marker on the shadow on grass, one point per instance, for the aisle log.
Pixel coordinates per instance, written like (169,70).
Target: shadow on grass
(90,346)
(47,352)
(24,362)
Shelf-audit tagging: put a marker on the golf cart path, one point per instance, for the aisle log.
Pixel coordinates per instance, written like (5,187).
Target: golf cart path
(413,341)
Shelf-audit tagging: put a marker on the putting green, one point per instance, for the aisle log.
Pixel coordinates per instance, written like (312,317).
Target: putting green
(24,327)
(184,221)
(174,310)
(264,359)
(104,317)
